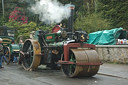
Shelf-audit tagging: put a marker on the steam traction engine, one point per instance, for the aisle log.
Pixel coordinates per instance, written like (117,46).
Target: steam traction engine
(67,49)
(11,50)
(64,48)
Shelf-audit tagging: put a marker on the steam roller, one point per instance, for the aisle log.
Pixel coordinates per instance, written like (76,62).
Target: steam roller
(74,56)
(63,48)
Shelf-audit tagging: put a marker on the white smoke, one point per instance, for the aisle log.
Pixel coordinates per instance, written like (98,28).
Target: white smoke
(51,11)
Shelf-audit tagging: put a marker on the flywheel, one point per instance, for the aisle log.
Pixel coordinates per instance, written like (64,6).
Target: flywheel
(31,54)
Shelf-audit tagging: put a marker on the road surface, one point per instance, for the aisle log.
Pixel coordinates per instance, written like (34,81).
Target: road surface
(109,74)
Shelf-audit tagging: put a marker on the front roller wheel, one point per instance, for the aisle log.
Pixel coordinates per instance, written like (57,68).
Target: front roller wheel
(31,54)
(81,56)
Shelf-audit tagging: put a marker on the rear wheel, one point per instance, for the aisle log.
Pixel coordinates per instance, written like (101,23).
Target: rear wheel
(31,57)
(7,55)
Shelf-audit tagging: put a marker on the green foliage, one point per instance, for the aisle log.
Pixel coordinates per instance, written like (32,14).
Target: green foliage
(23,30)
(92,22)
(116,11)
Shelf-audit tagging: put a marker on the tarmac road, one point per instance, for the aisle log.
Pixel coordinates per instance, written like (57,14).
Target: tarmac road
(109,74)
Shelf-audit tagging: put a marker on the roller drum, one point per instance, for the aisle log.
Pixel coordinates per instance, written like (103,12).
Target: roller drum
(82,56)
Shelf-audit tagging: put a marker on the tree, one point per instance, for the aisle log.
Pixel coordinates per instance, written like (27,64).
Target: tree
(91,23)
(116,11)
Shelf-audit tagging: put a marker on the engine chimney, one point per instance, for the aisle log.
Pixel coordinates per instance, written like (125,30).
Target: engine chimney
(70,20)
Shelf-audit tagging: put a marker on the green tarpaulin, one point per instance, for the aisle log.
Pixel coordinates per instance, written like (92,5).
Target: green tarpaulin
(105,37)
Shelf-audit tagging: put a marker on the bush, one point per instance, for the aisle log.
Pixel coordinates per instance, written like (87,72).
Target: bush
(91,23)
(23,30)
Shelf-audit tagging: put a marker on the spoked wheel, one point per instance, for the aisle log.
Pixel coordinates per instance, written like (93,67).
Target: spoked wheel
(70,68)
(7,55)
(31,57)
(81,56)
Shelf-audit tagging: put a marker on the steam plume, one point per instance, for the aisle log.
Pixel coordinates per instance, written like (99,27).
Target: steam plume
(51,11)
